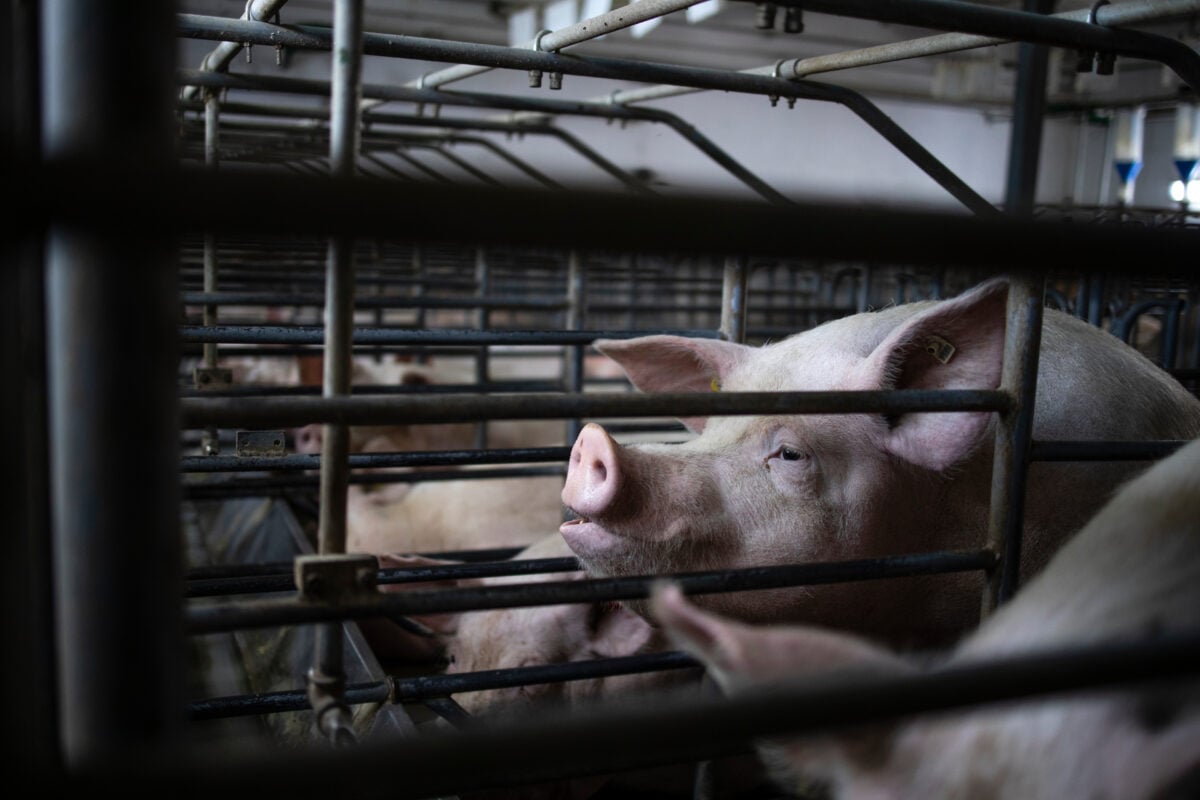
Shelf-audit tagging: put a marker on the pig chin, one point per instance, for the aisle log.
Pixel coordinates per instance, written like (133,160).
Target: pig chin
(605,553)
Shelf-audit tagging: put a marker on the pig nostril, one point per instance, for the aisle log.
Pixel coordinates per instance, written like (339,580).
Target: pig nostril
(600,470)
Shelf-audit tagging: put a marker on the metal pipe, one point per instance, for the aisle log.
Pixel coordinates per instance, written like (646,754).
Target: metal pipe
(326,678)
(573,368)
(482,320)
(254,584)
(430,458)
(553,41)
(270,613)
(296,411)
(112,366)
(628,70)
(309,334)
(1019,26)
(436,388)
(1102,451)
(733,300)
(1114,15)
(638,733)
(1010,465)
(219,58)
(362,301)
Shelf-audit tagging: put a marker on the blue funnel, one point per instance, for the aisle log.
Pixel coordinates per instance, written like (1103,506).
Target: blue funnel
(1185,167)
(1128,170)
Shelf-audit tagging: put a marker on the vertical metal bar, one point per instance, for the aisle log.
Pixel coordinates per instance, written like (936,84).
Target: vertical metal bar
(28,692)
(1023,333)
(112,364)
(481,322)
(862,299)
(211,441)
(575,319)
(733,300)
(327,676)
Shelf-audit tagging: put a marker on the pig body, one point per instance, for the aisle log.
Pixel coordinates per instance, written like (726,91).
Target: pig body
(750,491)
(444,515)
(1132,573)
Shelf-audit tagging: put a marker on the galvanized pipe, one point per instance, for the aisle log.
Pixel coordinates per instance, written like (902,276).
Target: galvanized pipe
(639,733)
(326,678)
(271,613)
(573,368)
(364,301)
(112,365)
(733,300)
(552,41)
(434,389)
(311,334)
(627,70)
(297,411)
(219,58)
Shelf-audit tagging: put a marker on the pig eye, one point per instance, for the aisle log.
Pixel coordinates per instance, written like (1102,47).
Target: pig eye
(786,453)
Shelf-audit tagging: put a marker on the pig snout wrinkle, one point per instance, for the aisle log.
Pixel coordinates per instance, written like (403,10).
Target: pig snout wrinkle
(593,474)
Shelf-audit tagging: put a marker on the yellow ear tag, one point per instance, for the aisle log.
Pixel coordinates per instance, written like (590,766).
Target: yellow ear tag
(716,385)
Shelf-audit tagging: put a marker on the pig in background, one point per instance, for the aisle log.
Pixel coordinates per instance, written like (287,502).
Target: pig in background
(749,491)
(1132,573)
(536,636)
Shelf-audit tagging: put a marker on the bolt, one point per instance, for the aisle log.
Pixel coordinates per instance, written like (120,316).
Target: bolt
(535,79)
(1106,63)
(791,102)
(366,578)
(1084,62)
(313,584)
(249,53)
(793,20)
(764,16)
(774,100)
(555,80)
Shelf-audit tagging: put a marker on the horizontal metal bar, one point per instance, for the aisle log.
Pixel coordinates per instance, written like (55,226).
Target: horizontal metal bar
(271,613)
(407,690)
(262,487)
(190,201)
(284,581)
(278,702)
(643,731)
(372,301)
(313,334)
(415,458)
(1103,451)
(253,390)
(296,411)
(269,568)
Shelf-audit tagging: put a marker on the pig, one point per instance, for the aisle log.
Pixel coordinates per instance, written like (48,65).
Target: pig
(761,490)
(519,637)
(1131,574)
(445,515)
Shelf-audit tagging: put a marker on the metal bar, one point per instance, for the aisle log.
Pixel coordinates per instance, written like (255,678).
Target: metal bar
(733,300)
(552,41)
(115,506)
(637,733)
(218,59)
(278,702)
(689,225)
(253,584)
(305,334)
(573,368)
(272,613)
(1019,26)
(629,70)
(270,486)
(299,462)
(326,678)
(1102,451)
(287,567)
(482,320)
(434,388)
(384,301)
(462,164)
(1010,465)
(298,411)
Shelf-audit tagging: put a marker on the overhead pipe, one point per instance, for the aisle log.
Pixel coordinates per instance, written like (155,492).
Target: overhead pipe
(218,59)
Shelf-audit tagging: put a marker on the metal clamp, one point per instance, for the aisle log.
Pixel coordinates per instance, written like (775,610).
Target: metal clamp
(1104,61)
(336,578)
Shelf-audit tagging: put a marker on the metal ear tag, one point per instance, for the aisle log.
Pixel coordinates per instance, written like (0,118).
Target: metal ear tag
(940,349)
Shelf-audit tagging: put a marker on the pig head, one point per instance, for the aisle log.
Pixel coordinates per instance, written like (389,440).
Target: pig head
(1132,572)
(762,490)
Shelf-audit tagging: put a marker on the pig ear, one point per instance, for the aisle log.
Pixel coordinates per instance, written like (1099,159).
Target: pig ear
(675,364)
(614,630)
(401,640)
(740,655)
(955,344)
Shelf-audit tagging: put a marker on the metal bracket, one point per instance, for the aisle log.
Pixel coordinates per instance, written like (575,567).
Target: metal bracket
(336,578)
(261,444)
(212,377)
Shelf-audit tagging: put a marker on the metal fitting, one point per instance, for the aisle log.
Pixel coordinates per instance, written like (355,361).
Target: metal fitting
(556,80)
(793,20)
(535,79)
(1106,63)
(764,15)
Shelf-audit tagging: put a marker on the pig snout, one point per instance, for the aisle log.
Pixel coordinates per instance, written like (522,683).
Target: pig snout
(308,439)
(593,474)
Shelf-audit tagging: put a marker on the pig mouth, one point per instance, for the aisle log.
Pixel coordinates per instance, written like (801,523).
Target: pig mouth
(589,540)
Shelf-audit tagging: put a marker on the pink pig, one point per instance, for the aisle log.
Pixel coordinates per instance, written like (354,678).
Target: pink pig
(761,490)
(1132,572)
